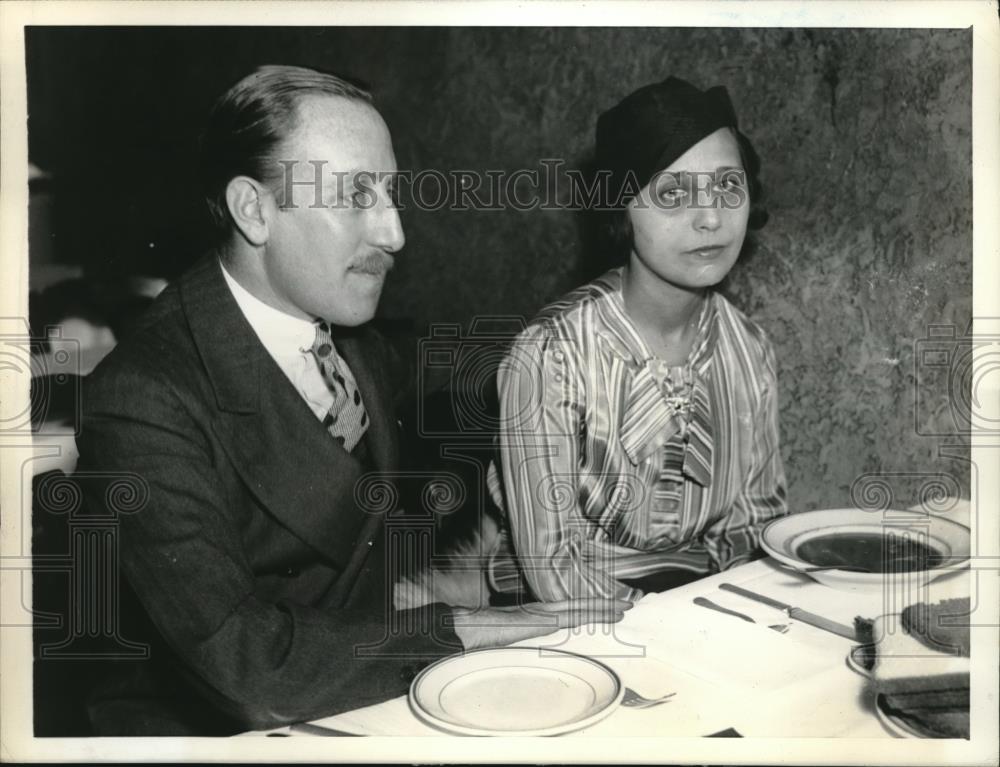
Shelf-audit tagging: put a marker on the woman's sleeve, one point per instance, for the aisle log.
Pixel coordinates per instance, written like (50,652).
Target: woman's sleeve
(542,398)
(735,538)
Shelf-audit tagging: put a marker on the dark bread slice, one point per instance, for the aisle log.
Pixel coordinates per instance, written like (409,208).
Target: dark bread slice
(943,626)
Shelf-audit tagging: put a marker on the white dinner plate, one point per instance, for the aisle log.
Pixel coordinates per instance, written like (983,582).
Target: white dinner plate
(783,538)
(515,691)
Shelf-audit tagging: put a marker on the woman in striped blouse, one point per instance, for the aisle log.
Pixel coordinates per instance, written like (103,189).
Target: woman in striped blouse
(639,428)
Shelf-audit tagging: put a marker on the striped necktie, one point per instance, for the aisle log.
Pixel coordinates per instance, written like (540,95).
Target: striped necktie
(347,419)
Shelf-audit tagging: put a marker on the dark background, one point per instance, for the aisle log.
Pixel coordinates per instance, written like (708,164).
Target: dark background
(865,137)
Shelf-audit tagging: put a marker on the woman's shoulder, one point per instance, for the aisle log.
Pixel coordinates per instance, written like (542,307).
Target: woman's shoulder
(574,312)
(738,321)
(742,332)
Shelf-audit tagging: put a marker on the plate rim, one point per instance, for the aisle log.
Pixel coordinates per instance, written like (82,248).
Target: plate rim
(853,665)
(897,728)
(455,729)
(795,564)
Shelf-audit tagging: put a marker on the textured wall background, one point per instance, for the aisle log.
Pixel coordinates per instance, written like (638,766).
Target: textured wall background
(865,137)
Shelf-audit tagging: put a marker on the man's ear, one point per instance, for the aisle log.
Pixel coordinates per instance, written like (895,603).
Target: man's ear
(248,201)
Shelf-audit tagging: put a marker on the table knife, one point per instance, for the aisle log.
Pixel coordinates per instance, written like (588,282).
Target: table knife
(796,613)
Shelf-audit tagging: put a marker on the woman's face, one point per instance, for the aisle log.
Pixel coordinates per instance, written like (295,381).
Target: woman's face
(689,221)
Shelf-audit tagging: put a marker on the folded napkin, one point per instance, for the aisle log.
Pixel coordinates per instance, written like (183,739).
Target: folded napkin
(921,667)
(721,649)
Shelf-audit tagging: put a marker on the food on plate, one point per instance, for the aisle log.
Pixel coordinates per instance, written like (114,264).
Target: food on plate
(920,666)
(943,626)
(876,552)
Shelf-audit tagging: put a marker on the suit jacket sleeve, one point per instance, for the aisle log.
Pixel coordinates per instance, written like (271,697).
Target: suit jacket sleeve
(264,663)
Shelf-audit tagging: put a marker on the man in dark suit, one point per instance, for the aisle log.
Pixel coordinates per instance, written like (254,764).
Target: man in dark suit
(250,401)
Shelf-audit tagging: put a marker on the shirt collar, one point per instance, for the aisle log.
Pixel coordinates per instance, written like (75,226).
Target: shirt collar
(283,335)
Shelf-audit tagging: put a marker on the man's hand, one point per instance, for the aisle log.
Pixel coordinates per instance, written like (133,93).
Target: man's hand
(497,626)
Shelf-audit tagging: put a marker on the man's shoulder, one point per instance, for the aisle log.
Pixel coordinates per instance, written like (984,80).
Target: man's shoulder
(158,349)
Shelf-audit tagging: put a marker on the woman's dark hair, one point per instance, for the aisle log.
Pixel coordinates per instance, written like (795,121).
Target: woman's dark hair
(250,120)
(619,228)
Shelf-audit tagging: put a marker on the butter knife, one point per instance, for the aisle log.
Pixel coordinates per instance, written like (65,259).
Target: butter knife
(796,613)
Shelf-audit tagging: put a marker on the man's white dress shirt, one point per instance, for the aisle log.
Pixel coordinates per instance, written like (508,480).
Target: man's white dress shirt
(289,341)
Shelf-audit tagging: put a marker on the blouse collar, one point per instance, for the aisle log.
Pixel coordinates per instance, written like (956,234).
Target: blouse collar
(622,337)
(648,419)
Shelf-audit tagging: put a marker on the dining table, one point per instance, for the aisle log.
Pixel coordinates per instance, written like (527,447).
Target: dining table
(762,675)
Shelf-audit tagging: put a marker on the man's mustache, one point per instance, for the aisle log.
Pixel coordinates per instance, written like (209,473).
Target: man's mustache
(377,262)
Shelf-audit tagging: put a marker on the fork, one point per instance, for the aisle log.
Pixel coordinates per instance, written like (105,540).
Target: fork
(633,699)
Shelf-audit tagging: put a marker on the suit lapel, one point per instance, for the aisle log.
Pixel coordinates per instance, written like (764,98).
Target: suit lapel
(281,450)
(363,355)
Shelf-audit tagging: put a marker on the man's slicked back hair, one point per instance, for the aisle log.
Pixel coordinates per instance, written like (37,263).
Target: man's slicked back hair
(249,122)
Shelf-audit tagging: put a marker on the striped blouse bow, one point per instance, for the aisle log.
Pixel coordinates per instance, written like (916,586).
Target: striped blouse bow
(657,410)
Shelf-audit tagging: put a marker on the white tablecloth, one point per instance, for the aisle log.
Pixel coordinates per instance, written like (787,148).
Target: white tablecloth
(726,672)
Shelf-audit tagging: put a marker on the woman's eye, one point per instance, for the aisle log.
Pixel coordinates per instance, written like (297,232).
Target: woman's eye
(731,181)
(672,194)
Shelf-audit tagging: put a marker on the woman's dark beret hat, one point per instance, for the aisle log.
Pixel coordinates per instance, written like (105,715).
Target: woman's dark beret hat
(654,126)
